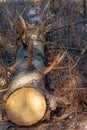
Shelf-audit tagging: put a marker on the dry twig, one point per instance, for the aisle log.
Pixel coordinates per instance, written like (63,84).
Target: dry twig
(20,33)
(30,51)
(81,55)
(55,62)
(24,26)
(3,90)
(66,115)
(47,5)
(67,25)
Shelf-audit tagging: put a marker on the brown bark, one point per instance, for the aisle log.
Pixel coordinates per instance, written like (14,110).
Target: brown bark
(30,52)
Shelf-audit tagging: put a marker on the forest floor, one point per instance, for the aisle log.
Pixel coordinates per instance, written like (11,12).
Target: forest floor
(69,78)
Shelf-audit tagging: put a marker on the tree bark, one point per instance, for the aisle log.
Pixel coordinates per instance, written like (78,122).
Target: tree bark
(27,99)
(27,83)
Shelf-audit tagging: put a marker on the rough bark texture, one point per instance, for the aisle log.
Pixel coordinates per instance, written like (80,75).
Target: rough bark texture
(27,77)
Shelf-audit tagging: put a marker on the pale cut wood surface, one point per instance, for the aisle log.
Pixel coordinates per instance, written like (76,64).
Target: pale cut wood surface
(26,106)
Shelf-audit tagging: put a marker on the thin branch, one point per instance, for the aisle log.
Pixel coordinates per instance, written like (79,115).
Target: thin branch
(76,89)
(47,5)
(55,62)
(30,51)
(24,26)
(24,10)
(66,115)
(62,100)
(81,55)
(85,48)
(40,29)
(20,33)
(74,23)
(61,68)
(84,10)
(15,65)
(19,37)
(10,22)
(5,70)
(3,90)
(67,48)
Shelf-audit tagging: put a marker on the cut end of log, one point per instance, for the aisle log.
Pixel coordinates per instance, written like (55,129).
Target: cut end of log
(26,106)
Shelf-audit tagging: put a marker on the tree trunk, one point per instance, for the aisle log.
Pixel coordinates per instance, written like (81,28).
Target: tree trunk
(26,99)
(26,103)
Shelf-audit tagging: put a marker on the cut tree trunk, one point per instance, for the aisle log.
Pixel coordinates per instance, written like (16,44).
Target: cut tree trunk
(27,99)
(26,104)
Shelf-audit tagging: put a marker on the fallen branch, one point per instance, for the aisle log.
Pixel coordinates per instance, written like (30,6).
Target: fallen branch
(47,5)
(81,55)
(3,90)
(24,27)
(5,70)
(67,25)
(30,52)
(20,33)
(19,37)
(55,62)
(66,115)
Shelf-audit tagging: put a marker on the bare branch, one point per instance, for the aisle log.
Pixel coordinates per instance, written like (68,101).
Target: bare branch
(55,62)
(47,5)
(74,23)
(30,51)
(24,26)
